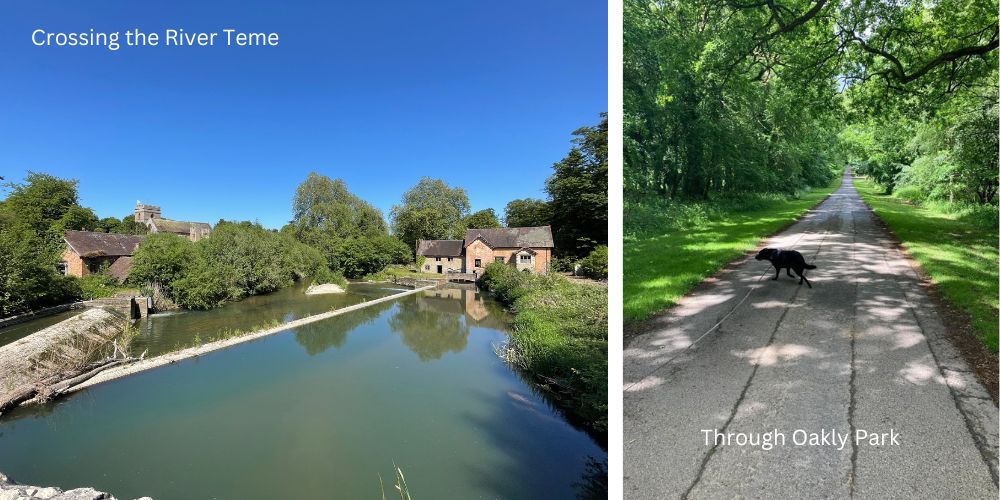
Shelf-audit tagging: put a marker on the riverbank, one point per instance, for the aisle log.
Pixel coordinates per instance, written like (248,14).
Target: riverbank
(155,362)
(559,338)
(670,247)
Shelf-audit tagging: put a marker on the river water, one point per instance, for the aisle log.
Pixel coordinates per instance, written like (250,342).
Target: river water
(320,411)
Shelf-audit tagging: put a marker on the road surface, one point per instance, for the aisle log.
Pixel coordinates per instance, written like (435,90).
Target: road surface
(813,370)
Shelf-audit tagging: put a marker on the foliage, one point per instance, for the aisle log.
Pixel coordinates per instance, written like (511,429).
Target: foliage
(359,257)
(956,245)
(41,201)
(560,337)
(28,275)
(76,218)
(128,225)
(578,190)
(97,285)
(527,212)
(431,210)
(595,265)
(325,214)
(239,259)
(161,258)
(483,219)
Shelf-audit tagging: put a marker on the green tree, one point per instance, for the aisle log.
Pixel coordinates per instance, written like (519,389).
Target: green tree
(527,212)
(325,213)
(430,210)
(41,201)
(77,218)
(162,259)
(483,219)
(130,226)
(579,192)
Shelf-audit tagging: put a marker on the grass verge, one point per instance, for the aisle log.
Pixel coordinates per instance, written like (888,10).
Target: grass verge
(671,246)
(956,246)
(559,338)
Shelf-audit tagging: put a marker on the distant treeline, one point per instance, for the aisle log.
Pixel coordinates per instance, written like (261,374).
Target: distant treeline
(333,234)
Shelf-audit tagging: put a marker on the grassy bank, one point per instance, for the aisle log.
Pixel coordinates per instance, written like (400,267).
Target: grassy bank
(559,338)
(672,246)
(956,245)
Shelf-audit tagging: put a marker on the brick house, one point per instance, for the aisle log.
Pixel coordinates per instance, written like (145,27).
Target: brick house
(150,216)
(87,251)
(525,248)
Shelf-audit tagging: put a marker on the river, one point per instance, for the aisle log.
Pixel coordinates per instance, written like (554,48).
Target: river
(320,411)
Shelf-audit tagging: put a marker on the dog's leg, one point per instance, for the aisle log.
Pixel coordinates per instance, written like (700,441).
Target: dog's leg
(777,272)
(802,277)
(789,271)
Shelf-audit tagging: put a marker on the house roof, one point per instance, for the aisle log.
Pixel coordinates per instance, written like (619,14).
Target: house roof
(119,269)
(178,226)
(440,248)
(512,237)
(92,244)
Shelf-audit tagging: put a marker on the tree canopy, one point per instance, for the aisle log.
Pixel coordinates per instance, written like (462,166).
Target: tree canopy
(723,97)
(430,210)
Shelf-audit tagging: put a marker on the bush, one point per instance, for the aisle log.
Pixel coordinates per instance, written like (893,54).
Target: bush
(161,258)
(595,265)
(560,336)
(912,194)
(28,276)
(97,285)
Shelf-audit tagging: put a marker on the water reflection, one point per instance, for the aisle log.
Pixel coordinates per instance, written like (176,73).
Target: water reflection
(318,337)
(438,321)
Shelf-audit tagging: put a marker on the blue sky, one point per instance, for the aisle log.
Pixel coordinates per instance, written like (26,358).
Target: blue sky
(481,94)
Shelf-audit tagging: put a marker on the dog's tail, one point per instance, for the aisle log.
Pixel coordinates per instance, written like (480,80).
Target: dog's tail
(810,266)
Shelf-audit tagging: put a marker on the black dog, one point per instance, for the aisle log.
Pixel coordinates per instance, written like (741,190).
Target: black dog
(787,259)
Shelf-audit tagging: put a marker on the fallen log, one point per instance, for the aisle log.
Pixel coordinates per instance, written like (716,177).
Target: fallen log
(57,384)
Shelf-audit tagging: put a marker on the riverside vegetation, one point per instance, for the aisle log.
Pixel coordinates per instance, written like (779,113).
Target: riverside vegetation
(559,337)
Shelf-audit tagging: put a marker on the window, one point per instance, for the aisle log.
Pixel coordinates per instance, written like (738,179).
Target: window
(427,267)
(525,258)
(63,267)
(437,259)
(499,259)
(449,259)
(479,263)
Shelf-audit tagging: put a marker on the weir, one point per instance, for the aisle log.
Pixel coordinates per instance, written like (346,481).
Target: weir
(166,359)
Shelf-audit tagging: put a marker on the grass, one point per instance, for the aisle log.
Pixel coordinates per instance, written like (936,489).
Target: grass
(956,245)
(559,338)
(670,246)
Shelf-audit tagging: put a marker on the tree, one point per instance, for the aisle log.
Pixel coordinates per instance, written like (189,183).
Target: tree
(325,213)
(41,201)
(28,275)
(579,192)
(483,219)
(976,146)
(431,210)
(76,218)
(130,226)
(162,258)
(527,212)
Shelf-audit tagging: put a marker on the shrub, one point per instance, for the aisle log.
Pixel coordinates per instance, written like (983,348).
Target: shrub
(97,285)
(910,193)
(559,336)
(595,265)
(161,258)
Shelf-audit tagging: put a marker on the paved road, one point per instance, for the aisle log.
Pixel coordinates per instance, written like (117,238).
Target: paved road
(863,350)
